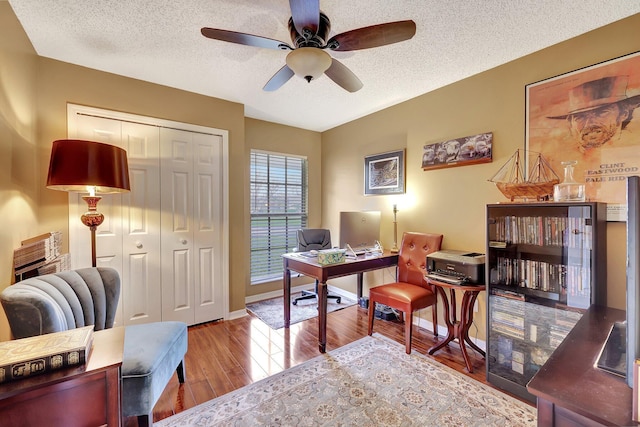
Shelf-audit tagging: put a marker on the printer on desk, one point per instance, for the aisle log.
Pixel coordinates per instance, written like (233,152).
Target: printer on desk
(456,266)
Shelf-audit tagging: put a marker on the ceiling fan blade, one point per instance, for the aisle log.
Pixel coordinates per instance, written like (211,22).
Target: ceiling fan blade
(344,77)
(243,38)
(281,77)
(305,14)
(373,36)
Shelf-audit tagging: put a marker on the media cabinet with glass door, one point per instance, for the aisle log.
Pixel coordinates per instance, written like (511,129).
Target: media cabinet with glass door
(546,265)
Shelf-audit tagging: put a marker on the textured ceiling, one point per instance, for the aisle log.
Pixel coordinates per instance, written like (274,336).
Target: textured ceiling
(159,41)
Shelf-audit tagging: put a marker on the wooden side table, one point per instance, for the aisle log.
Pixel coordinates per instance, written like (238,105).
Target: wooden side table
(84,395)
(458,329)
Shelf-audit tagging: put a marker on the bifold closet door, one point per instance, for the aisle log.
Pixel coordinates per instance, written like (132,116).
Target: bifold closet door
(129,238)
(191,239)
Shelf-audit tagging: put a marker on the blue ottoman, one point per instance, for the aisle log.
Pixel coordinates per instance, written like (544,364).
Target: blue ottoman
(152,352)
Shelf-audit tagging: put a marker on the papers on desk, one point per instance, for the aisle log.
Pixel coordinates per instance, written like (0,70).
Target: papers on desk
(354,253)
(308,254)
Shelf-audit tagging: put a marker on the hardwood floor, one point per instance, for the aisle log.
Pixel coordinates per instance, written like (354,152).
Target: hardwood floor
(226,355)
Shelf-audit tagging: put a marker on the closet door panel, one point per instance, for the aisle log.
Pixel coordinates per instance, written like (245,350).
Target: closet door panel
(207,235)
(141,230)
(176,154)
(108,235)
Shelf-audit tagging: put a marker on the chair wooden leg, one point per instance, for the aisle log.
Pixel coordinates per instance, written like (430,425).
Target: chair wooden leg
(145,420)
(181,372)
(372,312)
(434,313)
(408,329)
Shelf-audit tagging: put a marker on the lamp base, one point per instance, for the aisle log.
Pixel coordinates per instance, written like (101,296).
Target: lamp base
(394,250)
(92,219)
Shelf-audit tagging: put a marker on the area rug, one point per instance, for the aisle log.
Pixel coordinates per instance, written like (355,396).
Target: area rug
(370,382)
(271,311)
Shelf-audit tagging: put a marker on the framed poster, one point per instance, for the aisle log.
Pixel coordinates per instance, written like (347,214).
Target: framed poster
(469,150)
(384,173)
(587,115)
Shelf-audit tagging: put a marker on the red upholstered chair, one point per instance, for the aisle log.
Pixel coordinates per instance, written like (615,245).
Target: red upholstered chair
(411,292)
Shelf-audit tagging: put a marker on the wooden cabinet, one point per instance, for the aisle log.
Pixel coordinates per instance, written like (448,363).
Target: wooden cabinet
(544,264)
(86,395)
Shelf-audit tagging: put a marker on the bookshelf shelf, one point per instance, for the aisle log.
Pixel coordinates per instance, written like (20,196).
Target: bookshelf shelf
(543,261)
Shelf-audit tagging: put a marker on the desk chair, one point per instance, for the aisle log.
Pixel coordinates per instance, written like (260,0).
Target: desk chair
(410,292)
(313,239)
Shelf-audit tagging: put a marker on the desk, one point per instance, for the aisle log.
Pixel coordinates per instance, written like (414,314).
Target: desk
(310,267)
(571,390)
(455,329)
(88,394)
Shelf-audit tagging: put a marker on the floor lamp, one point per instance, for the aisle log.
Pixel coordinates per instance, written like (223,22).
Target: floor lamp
(88,167)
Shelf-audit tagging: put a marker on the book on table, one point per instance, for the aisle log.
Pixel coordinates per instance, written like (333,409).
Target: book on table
(26,357)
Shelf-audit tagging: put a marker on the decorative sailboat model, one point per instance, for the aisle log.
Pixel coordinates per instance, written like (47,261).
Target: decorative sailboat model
(537,184)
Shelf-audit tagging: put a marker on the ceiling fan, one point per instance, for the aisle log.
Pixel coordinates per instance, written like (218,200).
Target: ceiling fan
(309,29)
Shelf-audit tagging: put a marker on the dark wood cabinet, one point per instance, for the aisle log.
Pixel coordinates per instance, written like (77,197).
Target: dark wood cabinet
(85,395)
(544,264)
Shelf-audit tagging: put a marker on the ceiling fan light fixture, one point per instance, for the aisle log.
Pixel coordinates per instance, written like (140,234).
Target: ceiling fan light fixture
(308,62)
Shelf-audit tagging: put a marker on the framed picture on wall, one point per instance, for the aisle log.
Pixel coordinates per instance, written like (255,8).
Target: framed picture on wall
(591,116)
(469,150)
(384,173)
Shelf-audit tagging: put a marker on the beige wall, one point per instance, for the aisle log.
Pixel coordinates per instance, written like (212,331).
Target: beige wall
(276,138)
(19,186)
(452,201)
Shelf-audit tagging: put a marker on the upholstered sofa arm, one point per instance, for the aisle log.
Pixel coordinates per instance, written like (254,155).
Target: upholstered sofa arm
(62,301)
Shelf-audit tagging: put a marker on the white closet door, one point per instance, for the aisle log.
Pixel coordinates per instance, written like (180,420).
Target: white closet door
(129,238)
(176,154)
(207,236)
(169,237)
(109,233)
(141,226)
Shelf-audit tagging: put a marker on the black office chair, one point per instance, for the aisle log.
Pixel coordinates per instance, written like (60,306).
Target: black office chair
(313,239)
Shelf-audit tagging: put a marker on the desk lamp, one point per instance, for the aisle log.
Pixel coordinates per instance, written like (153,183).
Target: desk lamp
(88,167)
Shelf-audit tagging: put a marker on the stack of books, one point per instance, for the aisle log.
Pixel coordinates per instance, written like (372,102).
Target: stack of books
(38,252)
(59,263)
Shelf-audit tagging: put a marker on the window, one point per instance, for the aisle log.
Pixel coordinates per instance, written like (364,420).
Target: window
(278,210)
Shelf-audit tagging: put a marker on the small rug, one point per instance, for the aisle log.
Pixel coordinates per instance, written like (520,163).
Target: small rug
(370,382)
(271,311)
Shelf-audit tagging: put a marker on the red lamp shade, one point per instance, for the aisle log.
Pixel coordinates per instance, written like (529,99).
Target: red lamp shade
(76,164)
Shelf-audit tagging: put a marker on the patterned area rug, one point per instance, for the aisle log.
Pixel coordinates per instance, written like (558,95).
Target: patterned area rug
(271,311)
(370,382)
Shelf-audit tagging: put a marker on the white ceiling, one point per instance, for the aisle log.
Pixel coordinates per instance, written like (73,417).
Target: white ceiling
(159,41)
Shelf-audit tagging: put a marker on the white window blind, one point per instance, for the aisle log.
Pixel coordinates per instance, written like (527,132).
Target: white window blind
(278,210)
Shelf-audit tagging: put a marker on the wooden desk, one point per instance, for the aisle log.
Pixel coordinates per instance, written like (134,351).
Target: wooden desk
(310,267)
(84,395)
(570,390)
(458,329)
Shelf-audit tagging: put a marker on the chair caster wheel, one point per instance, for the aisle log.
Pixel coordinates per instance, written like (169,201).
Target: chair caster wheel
(338,300)
(295,303)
